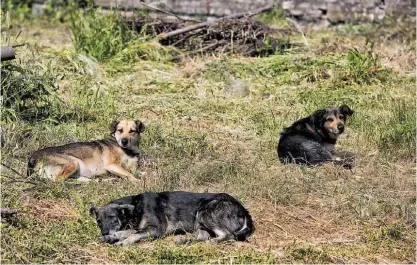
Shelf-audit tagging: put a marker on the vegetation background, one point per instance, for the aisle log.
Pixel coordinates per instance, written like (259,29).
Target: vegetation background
(81,70)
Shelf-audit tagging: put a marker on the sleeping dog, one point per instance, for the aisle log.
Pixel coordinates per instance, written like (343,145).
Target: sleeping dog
(214,217)
(118,154)
(311,140)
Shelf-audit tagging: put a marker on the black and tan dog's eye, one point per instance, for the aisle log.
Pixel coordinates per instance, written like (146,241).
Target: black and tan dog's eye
(341,117)
(330,119)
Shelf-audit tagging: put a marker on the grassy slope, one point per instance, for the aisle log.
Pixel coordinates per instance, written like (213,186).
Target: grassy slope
(204,141)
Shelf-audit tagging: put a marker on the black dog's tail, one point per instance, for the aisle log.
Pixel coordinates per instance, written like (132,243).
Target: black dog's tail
(247,229)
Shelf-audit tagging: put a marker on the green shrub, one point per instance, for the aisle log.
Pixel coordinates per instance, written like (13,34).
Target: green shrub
(28,92)
(99,35)
(363,65)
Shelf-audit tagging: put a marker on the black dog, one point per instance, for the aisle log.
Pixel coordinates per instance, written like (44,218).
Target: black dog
(311,140)
(212,216)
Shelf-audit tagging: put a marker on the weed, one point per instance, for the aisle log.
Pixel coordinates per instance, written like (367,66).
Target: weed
(274,17)
(98,35)
(309,254)
(28,93)
(363,66)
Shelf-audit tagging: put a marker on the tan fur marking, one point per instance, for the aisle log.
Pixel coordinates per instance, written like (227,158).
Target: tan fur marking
(331,124)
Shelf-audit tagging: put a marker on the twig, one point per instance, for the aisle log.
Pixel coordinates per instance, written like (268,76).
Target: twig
(299,29)
(186,37)
(24,180)
(12,169)
(201,50)
(277,225)
(163,11)
(183,19)
(167,35)
(19,45)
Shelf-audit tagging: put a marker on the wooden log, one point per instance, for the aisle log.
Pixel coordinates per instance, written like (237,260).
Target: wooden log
(7,54)
(167,35)
(6,212)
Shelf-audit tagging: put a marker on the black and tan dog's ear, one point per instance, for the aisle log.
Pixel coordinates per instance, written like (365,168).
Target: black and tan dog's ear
(345,110)
(317,117)
(93,210)
(140,127)
(113,126)
(126,208)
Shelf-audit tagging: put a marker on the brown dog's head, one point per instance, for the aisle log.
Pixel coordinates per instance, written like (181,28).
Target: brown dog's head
(332,121)
(127,132)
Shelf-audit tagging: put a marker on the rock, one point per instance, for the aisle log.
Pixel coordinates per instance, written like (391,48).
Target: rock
(236,88)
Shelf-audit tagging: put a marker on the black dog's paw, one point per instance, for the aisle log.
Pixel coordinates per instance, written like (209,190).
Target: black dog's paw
(107,239)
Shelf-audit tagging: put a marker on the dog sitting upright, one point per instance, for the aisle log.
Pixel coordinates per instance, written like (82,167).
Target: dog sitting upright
(311,140)
(82,160)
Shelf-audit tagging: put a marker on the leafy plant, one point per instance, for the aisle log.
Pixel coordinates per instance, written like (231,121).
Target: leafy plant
(99,35)
(28,92)
(363,66)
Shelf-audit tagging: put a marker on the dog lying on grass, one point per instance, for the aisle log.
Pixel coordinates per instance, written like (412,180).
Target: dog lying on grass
(311,140)
(213,217)
(82,160)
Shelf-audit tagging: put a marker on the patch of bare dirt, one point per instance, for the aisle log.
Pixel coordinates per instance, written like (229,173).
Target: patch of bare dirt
(48,209)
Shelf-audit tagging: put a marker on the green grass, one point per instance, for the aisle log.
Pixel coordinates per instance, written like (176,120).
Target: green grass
(202,140)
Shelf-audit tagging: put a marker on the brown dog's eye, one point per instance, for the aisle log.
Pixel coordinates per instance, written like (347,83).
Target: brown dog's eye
(120,131)
(131,131)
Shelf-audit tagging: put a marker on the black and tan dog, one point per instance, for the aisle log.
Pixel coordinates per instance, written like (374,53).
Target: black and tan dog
(83,160)
(311,140)
(214,217)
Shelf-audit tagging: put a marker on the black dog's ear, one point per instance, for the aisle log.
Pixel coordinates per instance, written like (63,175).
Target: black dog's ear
(345,110)
(93,210)
(317,117)
(140,127)
(126,208)
(113,126)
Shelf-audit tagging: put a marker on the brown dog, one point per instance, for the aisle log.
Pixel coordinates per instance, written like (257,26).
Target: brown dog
(82,160)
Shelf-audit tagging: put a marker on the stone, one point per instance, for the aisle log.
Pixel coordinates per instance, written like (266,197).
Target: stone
(237,88)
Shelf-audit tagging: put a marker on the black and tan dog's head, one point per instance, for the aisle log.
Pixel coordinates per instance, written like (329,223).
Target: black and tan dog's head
(110,218)
(331,121)
(127,132)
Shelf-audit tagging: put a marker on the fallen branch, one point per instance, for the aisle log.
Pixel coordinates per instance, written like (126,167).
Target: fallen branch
(7,53)
(14,180)
(165,12)
(167,35)
(299,29)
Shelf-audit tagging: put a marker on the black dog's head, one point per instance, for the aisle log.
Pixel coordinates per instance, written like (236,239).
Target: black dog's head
(110,218)
(331,121)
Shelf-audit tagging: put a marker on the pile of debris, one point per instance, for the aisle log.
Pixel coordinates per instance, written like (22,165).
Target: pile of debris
(235,34)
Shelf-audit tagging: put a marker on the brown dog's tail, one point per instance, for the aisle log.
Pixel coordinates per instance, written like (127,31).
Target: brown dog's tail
(31,166)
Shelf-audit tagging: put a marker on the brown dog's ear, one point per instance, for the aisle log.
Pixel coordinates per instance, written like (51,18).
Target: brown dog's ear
(317,117)
(113,127)
(345,110)
(126,208)
(93,210)
(140,127)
